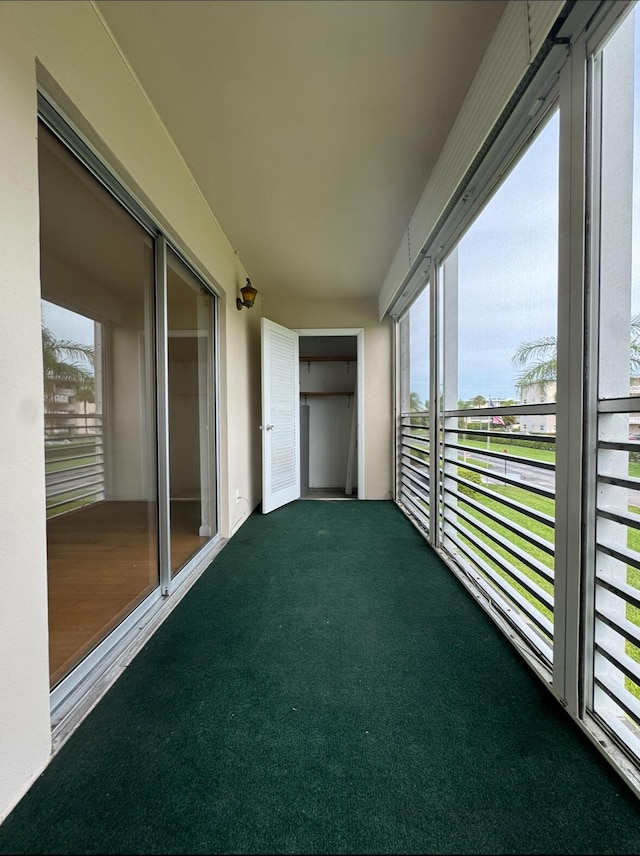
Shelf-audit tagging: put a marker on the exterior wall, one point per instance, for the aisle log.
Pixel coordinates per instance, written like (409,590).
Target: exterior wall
(378,404)
(66,48)
(24,673)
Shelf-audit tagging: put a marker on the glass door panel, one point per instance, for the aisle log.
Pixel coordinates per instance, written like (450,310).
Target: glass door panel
(191,435)
(97,280)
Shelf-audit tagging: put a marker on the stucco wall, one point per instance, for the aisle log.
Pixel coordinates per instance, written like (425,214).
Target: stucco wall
(65,47)
(24,700)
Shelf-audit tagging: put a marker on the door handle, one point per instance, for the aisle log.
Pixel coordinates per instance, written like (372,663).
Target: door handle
(266,427)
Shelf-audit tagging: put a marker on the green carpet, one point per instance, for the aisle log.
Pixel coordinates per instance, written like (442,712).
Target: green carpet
(327,686)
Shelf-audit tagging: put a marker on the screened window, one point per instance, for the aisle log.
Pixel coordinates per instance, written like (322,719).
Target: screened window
(499,299)
(615,678)
(416,435)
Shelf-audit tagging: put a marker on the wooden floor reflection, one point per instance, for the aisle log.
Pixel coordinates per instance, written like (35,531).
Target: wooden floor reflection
(102,562)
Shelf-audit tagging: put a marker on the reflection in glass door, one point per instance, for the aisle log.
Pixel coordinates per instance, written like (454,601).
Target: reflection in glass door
(97,275)
(190,400)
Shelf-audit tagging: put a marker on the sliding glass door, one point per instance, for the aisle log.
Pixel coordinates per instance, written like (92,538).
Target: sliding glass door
(114,419)
(97,278)
(190,393)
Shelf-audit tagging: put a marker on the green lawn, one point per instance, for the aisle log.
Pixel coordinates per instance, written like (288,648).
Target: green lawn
(548,455)
(547,506)
(538,503)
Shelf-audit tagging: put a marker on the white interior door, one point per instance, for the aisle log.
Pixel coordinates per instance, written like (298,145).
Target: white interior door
(280,416)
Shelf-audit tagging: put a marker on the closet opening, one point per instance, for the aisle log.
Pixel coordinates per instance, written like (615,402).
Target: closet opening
(328,416)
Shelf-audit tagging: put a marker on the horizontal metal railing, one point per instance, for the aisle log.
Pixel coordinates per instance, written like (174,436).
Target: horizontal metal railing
(496,508)
(498,520)
(74,461)
(616,630)
(414,463)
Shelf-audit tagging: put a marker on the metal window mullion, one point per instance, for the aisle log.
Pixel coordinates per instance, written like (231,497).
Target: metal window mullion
(434,403)
(570,379)
(162,398)
(215,408)
(396,404)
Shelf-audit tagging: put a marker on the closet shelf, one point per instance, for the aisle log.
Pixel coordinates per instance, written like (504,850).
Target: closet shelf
(326,393)
(328,358)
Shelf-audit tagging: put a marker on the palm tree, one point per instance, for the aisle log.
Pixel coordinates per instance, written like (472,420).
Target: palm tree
(539,359)
(62,362)
(415,404)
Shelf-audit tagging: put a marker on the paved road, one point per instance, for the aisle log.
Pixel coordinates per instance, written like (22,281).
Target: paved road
(529,474)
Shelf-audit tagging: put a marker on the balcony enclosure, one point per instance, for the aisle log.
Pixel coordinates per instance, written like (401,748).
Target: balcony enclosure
(517,432)
(451,190)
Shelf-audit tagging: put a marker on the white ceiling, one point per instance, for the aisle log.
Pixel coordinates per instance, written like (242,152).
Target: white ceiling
(311,126)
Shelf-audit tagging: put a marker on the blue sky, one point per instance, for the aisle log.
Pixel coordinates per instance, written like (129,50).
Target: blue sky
(507,274)
(508,267)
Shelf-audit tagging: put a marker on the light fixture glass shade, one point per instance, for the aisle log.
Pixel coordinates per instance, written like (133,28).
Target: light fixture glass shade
(248,293)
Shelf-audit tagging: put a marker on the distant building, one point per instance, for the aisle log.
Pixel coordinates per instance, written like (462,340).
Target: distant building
(534,423)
